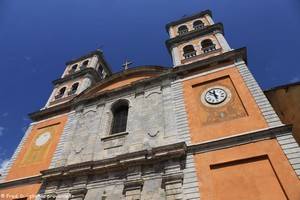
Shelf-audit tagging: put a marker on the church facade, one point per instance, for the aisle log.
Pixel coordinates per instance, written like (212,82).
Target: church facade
(201,129)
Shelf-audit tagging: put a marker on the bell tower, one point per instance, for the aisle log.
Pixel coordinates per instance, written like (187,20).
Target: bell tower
(79,74)
(225,107)
(195,38)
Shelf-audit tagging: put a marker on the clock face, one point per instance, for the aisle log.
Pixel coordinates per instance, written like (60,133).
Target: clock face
(215,95)
(43,139)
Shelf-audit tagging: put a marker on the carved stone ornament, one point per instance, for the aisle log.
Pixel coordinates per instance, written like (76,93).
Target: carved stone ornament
(78,149)
(153,134)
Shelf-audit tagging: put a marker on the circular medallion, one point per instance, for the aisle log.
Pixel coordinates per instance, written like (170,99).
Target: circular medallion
(43,139)
(215,96)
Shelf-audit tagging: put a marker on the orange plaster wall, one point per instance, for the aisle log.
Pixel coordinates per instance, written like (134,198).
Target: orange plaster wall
(22,168)
(257,171)
(195,108)
(126,81)
(28,191)
(285,102)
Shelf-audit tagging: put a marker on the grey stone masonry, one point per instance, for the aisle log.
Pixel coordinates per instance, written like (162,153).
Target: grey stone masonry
(291,149)
(172,180)
(151,122)
(180,113)
(64,136)
(159,179)
(259,96)
(134,183)
(16,153)
(190,185)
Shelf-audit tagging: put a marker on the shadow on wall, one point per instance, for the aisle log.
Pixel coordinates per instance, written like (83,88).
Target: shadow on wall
(285,101)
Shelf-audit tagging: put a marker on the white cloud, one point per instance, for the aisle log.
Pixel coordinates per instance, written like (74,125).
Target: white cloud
(1,130)
(3,165)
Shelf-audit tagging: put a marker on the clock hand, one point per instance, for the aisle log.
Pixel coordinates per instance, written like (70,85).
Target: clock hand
(210,92)
(214,93)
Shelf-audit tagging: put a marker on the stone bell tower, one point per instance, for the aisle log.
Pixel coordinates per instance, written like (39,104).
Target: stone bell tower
(237,137)
(195,38)
(79,74)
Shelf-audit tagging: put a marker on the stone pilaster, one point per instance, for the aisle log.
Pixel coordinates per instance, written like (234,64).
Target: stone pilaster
(264,105)
(78,193)
(79,190)
(49,191)
(172,181)
(134,183)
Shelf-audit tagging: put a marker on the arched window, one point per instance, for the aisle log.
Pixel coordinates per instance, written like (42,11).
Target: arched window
(183,29)
(208,45)
(73,89)
(198,25)
(61,93)
(73,68)
(189,51)
(84,64)
(120,113)
(100,71)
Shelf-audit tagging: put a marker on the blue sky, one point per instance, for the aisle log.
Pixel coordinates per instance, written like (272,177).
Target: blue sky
(38,37)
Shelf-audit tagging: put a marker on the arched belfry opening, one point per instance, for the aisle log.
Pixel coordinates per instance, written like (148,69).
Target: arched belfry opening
(189,51)
(198,25)
(74,88)
(84,64)
(208,45)
(183,29)
(61,93)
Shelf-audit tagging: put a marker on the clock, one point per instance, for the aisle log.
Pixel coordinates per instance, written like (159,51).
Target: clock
(43,139)
(215,96)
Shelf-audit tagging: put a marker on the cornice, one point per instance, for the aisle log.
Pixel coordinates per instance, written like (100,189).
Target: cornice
(215,60)
(193,34)
(51,111)
(152,69)
(157,154)
(164,73)
(189,18)
(142,70)
(123,161)
(240,139)
(98,53)
(22,181)
(75,75)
